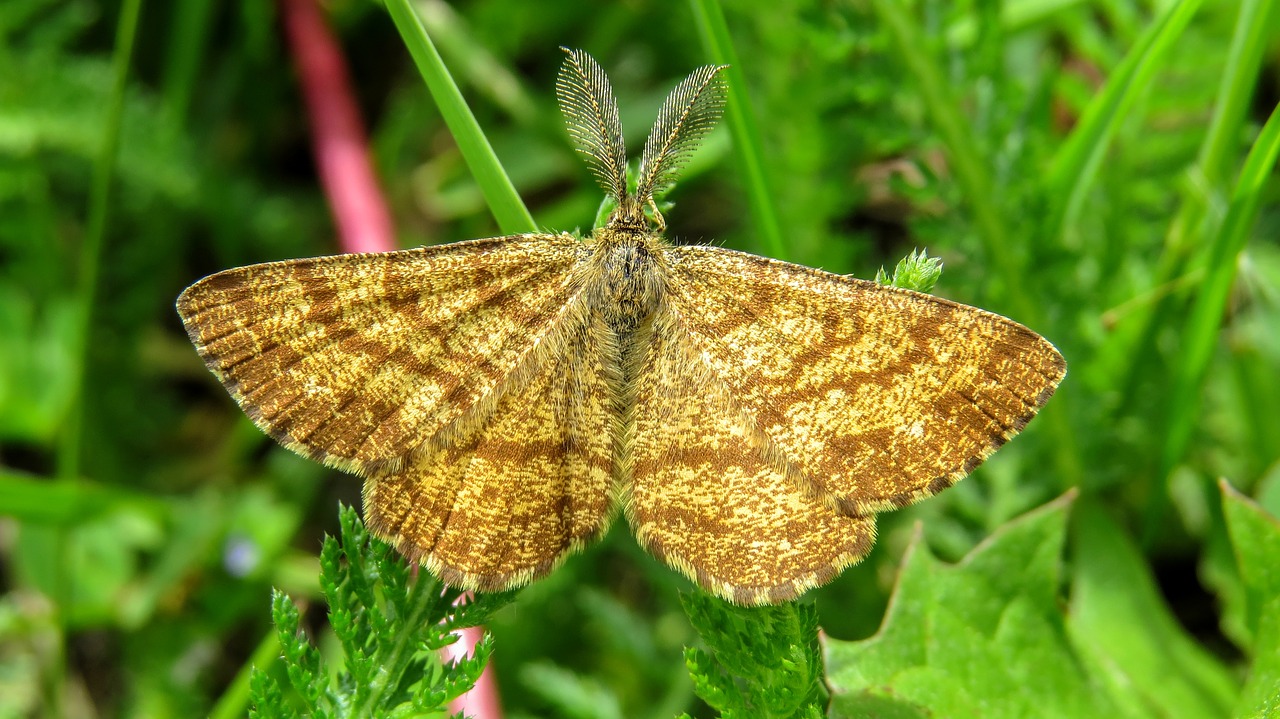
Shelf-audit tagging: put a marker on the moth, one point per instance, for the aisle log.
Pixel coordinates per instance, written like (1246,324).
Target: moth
(506,398)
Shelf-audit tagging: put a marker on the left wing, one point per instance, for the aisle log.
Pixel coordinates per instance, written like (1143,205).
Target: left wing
(877,396)
(356,360)
(510,490)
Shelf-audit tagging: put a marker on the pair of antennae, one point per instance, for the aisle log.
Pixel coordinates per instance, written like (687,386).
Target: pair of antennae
(591,113)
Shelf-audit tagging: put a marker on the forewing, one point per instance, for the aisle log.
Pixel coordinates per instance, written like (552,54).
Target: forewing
(355,360)
(503,496)
(875,396)
(703,497)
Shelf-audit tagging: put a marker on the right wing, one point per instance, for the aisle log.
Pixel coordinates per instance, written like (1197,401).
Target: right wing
(356,360)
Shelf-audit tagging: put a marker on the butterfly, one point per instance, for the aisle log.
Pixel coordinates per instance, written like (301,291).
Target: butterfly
(506,398)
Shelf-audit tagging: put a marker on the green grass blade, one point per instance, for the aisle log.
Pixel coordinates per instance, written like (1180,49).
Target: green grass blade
(971,173)
(1215,159)
(235,699)
(186,50)
(1075,167)
(1200,337)
(505,203)
(70,440)
(1254,32)
(742,125)
(104,168)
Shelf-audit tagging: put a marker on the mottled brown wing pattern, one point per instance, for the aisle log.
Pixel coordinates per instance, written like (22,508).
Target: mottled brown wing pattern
(704,499)
(875,397)
(503,496)
(355,360)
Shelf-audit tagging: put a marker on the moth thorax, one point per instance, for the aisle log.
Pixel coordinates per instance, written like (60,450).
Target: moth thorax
(629,216)
(631,276)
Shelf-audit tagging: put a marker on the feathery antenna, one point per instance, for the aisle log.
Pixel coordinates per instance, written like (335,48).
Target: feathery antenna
(591,114)
(687,115)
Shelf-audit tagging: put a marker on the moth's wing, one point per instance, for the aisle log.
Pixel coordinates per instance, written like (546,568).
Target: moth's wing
(703,497)
(876,396)
(505,494)
(355,360)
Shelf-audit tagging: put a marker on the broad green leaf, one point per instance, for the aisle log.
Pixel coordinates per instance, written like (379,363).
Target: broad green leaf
(1126,632)
(1255,537)
(984,638)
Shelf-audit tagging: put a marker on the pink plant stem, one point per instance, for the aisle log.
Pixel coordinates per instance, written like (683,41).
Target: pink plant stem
(359,210)
(337,133)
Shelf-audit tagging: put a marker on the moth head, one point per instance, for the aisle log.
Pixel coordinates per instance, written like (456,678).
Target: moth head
(591,115)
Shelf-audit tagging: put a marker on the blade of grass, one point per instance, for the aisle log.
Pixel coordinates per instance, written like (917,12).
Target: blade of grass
(1200,337)
(186,48)
(1134,337)
(1075,167)
(977,185)
(233,701)
(970,172)
(71,439)
(713,30)
(104,166)
(474,63)
(505,203)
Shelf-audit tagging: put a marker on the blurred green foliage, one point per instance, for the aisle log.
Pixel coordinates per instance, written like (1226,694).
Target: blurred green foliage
(1079,166)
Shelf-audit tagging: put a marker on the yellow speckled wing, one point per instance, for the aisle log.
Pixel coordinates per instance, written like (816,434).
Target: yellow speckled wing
(875,397)
(503,495)
(704,499)
(355,360)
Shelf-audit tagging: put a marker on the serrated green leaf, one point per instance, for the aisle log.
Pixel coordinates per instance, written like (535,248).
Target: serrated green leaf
(1128,635)
(303,664)
(1255,537)
(268,700)
(984,638)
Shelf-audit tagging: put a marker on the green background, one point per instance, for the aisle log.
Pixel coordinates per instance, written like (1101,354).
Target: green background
(1099,171)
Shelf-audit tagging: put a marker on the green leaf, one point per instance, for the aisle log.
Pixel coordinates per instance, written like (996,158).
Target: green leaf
(1255,538)
(1127,633)
(986,637)
(389,625)
(917,271)
(760,662)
